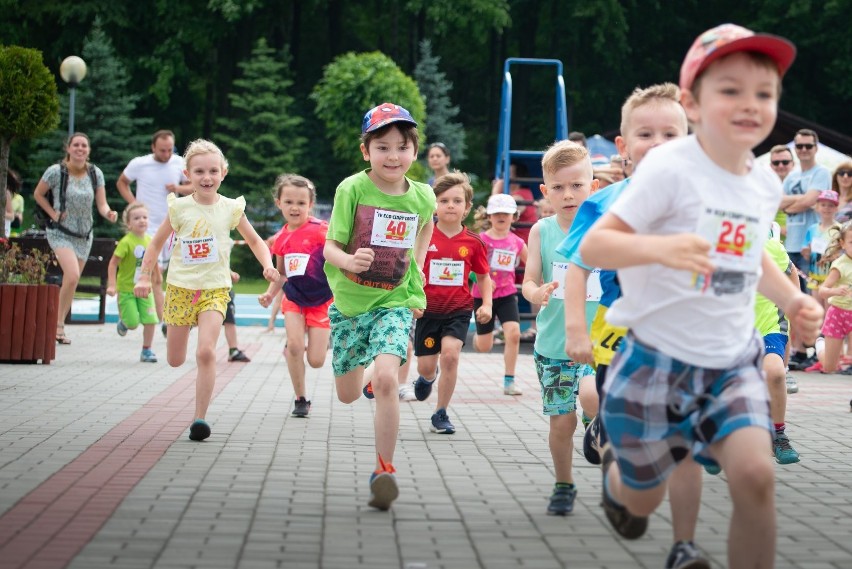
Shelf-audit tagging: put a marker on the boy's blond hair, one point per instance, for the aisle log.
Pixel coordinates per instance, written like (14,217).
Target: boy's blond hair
(652,94)
(202,146)
(563,154)
(125,216)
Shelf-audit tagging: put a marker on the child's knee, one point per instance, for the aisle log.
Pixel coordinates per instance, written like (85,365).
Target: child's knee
(175,360)
(316,360)
(512,334)
(295,350)
(450,360)
(205,355)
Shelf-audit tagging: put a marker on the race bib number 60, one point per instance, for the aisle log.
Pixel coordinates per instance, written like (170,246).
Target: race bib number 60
(394,229)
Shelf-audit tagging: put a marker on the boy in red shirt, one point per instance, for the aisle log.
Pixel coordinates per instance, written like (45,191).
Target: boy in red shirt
(441,331)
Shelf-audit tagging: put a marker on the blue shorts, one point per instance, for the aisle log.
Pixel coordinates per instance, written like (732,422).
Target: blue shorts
(775,343)
(560,383)
(358,340)
(657,410)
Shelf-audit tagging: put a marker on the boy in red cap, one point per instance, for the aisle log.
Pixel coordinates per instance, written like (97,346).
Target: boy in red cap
(378,233)
(687,381)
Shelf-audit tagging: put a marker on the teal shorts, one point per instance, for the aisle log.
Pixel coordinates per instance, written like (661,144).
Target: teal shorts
(358,340)
(134,310)
(560,383)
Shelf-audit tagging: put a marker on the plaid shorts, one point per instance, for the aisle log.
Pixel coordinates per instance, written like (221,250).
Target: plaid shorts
(358,340)
(658,409)
(560,383)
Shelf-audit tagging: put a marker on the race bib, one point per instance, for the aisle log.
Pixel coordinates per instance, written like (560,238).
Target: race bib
(295,264)
(394,229)
(594,291)
(819,245)
(446,273)
(558,275)
(732,236)
(138,253)
(199,250)
(503,260)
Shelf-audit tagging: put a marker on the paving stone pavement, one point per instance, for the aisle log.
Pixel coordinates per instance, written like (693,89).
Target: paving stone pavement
(96,471)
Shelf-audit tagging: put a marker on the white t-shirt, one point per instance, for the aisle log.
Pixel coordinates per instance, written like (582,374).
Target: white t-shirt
(151,179)
(678,189)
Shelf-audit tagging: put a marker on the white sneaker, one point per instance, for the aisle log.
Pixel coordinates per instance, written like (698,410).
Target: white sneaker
(406,392)
(792,384)
(512,389)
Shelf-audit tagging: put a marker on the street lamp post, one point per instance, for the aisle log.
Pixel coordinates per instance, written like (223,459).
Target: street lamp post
(72,70)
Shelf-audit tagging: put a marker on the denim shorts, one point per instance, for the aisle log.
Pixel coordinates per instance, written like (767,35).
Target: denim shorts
(656,409)
(356,341)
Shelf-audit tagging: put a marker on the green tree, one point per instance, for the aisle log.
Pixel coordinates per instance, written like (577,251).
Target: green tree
(354,83)
(28,103)
(261,133)
(435,88)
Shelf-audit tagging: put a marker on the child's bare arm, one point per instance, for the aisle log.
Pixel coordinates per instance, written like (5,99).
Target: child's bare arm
(486,289)
(532,268)
(149,261)
(258,247)
(827,289)
(612,244)
(421,245)
(356,263)
(112,270)
(578,345)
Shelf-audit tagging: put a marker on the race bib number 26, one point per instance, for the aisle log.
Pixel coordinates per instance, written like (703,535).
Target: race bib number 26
(732,236)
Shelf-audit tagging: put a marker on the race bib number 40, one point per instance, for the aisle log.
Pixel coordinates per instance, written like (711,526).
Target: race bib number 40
(446,273)
(732,236)
(394,229)
(199,250)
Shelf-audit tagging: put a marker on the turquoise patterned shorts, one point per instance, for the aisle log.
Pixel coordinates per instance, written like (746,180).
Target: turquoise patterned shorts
(560,383)
(358,340)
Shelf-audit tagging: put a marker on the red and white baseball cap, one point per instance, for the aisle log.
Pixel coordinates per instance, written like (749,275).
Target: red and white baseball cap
(730,38)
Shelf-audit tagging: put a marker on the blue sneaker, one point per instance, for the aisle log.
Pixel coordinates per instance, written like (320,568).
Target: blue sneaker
(148,356)
(383,488)
(591,442)
(199,430)
(684,554)
(121,328)
(561,501)
(423,387)
(441,423)
(713,469)
(784,453)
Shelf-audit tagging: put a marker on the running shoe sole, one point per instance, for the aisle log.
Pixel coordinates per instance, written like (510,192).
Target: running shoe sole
(384,491)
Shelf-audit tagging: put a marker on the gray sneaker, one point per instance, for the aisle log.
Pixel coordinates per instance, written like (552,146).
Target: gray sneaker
(121,328)
(685,555)
(792,384)
(148,356)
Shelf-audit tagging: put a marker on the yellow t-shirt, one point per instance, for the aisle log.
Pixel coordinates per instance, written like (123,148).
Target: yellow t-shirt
(202,251)
(843,264)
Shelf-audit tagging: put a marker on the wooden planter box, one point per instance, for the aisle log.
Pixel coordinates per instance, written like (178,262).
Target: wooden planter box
(28,316)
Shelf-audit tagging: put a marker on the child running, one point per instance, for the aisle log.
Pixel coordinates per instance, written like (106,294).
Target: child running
(837,290)
(380,227)
(199,276)
(505,252)
(649,118)
(454,252)
(687,379)
(568,180)
(122,274)
(307,296)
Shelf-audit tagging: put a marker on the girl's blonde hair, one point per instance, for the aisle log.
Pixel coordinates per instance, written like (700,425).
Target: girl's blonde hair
(202,146)
(125,216)
(480,220)
(836,235)
(284,180)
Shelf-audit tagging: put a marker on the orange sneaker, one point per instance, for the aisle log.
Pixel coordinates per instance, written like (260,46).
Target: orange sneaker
(383,488)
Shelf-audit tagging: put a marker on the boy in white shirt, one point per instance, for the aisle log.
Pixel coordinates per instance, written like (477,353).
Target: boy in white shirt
(687,241)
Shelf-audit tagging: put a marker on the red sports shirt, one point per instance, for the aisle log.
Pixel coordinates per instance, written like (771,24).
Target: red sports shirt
(449,261)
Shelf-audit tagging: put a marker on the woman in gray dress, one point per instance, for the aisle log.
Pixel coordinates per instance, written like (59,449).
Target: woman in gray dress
(70,236)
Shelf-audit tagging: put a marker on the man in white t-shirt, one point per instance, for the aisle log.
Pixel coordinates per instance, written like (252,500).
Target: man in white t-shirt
(156,175)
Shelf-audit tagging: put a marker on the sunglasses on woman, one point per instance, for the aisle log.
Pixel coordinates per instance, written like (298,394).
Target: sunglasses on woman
(844,173)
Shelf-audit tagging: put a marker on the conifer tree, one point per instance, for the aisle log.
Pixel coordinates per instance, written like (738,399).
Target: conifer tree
(261,134)
(440,112)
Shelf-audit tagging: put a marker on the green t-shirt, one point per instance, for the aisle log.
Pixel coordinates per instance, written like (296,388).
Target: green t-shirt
(364,216)
(130,249)
(767,316)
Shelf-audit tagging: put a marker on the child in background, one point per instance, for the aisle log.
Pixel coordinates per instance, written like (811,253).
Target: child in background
(306,293)
(235,354)
(199,276)
(379,230)
(817,238)
(505,252)
(122,274)
(837,290)
(686,382)
(454,252)
(568,180)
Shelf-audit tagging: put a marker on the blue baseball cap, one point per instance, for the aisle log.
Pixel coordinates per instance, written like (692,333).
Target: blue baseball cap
(383,115)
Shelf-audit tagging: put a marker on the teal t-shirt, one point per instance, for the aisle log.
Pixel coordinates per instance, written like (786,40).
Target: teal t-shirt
(130,249)
(364,216)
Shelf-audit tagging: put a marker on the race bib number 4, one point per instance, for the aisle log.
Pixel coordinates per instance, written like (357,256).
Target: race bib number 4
(199,250)
(446,273)
(295,264)
(503,260)
(732,236)
(394,229)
